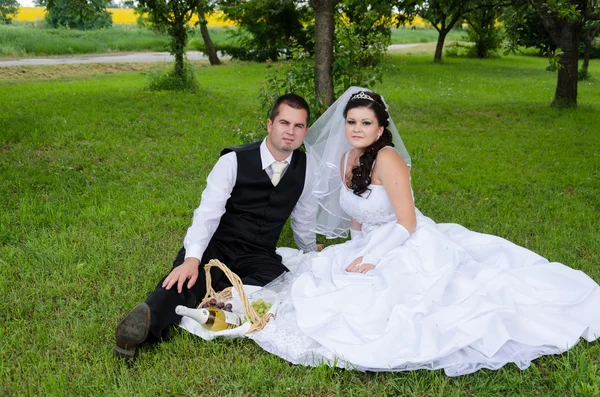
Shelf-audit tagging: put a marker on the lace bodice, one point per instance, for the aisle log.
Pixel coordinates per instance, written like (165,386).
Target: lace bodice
(370,210)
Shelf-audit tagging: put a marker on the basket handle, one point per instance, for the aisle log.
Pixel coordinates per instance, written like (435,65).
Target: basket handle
(257,322)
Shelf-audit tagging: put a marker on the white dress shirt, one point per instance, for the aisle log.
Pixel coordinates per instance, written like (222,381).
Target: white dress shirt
(220,183)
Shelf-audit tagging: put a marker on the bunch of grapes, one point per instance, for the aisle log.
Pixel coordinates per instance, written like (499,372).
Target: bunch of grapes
(261,307)
(217,305)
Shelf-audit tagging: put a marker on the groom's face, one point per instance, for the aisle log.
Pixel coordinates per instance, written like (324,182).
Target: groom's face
(287,130)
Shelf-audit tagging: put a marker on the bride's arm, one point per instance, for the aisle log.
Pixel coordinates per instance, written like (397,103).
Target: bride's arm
(394,174)
(355,230)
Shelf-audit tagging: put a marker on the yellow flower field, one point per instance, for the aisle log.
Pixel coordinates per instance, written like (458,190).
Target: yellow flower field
(126,16)
(119,15)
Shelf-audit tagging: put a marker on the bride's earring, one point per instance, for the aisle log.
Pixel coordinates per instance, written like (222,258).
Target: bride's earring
(378,136)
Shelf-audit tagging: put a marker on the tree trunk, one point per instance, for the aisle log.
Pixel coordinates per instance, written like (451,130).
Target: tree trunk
(566,87)
(208,44)
(439,47)
(324,31)
(178,47)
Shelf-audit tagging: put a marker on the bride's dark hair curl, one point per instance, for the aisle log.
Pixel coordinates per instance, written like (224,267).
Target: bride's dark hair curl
(361,174)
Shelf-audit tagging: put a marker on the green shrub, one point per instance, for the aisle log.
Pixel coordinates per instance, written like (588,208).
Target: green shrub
(8,10)
(584,74)
(78,15)
(168,80)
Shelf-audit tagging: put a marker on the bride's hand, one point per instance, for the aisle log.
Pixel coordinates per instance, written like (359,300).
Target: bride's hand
(358,267)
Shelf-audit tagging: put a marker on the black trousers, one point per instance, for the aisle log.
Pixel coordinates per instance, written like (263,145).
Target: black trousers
(253,265)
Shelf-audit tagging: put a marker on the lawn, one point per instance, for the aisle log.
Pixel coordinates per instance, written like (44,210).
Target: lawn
(99,178)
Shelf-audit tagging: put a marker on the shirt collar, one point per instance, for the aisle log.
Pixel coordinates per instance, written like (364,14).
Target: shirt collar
(267,158)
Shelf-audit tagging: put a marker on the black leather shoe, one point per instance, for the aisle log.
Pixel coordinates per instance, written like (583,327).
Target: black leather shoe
(132,330)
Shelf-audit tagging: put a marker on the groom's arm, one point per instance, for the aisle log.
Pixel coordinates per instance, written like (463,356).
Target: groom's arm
(219,184)
(304,215)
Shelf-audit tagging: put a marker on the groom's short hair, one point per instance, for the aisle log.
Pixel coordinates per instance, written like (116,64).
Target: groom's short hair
(293,101)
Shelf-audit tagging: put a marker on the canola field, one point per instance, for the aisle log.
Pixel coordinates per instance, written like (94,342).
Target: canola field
(126,16)
(119,16)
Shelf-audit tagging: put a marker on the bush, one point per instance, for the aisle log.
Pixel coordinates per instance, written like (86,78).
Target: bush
(483,32)
(8,7)
(583,74)
(357,62)
(78,15)
(458,50)
(267,28)
(168,80)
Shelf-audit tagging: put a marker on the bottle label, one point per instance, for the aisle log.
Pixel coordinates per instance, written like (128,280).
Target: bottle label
(231,318)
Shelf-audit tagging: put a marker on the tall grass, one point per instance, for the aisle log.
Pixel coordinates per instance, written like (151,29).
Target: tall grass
(34,39)
(31,39)
(99,178)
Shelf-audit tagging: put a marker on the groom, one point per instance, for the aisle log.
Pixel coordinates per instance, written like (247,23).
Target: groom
(250,193)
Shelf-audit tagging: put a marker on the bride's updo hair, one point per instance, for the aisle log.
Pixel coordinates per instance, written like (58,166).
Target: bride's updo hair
(361,174)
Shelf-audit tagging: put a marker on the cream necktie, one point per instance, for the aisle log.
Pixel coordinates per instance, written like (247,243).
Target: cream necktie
(277,169)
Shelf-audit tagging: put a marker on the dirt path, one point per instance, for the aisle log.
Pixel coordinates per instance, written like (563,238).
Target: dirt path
(135,57)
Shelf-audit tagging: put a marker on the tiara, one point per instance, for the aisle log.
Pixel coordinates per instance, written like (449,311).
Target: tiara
(361,95)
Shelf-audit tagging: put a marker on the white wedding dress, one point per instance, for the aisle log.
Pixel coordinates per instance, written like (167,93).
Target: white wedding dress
(448,298)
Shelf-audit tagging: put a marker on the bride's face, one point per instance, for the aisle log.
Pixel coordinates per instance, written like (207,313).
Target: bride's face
(362,127)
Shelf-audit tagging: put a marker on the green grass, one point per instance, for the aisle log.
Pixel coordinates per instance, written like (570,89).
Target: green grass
(422,35)
(99,178)
(28,39)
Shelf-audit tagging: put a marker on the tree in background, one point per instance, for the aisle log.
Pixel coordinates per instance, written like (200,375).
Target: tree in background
(342,58)
(267,28)
(324,36)
(443,15)
(563,22)
(369,22)
(523,27)
(77,14)
(484,32)
(591,30)
(204,7)
(8,7)
(172,16)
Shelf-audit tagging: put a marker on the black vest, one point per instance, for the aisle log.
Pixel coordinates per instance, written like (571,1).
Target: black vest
(257,211)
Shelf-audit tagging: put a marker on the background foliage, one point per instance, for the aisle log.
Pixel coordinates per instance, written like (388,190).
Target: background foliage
(77,14)
(8,10)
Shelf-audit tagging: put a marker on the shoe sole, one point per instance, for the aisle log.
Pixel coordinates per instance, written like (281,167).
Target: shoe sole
(132,330)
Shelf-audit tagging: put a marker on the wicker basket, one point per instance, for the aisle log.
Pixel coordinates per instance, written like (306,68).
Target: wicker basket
(257,322)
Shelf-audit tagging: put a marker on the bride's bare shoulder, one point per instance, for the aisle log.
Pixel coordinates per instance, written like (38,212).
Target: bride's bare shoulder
(389,157)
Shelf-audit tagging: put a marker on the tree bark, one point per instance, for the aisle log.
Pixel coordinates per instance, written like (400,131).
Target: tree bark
(439,47)
(324,31)
(566,87)
(213,58)
(565,34)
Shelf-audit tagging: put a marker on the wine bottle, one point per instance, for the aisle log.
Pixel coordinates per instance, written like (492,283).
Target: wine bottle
(210,318)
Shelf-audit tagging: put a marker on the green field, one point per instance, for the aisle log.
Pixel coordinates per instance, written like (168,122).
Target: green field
(28,39)
(99,178)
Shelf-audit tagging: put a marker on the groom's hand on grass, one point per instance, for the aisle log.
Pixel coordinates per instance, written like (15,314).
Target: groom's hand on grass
(187,270)
(358,267)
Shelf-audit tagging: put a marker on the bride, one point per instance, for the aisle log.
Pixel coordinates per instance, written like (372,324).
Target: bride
(406,293)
